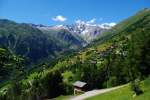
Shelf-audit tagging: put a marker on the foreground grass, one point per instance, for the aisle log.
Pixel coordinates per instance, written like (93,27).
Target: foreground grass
(63,97)
(125,93)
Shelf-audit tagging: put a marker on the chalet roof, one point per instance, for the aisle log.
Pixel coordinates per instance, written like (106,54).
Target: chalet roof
(79,84)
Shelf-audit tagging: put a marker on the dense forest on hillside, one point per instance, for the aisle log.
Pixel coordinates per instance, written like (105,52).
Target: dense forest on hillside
(118,57)
(33,44)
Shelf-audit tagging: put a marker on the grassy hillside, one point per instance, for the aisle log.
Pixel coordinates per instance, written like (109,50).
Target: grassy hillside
(125,93)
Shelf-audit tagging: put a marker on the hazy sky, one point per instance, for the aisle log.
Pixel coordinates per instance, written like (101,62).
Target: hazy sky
(51,12)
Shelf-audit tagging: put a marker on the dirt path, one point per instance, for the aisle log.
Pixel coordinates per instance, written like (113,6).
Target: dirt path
(93,93)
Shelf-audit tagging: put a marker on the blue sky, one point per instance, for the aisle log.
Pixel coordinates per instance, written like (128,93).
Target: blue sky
(51,12)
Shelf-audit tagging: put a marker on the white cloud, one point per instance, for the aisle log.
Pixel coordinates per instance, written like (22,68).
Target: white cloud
(110,24)
(91,21)
(59,18)
(107,25)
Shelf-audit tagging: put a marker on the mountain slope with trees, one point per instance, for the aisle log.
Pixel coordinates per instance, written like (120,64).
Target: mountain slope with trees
(112,60)
(32,43)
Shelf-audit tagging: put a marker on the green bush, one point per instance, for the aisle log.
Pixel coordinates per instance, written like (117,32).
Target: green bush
(135,87)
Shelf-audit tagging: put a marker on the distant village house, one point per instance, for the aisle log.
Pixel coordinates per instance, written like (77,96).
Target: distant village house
(79,87)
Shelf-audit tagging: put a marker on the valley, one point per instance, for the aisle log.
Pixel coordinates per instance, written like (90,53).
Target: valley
(103,56)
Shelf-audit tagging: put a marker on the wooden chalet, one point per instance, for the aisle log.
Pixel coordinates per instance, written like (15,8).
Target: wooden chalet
(79,87)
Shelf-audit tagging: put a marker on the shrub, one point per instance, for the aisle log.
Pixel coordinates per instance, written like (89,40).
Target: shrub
(135,87)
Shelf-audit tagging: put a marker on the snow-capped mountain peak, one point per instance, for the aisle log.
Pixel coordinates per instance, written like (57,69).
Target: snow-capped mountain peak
(88,31)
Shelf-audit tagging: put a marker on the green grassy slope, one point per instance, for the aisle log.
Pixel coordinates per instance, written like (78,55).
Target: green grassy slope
(125,93)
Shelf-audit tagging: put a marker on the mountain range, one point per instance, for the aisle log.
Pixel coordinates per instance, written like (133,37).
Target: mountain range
(85,30)
(36,42)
